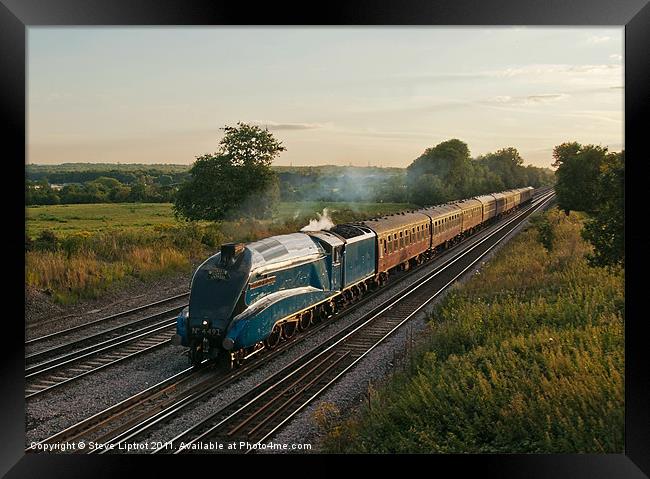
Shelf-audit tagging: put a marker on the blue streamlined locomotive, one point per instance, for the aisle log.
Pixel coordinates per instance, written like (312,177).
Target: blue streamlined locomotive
(248,297)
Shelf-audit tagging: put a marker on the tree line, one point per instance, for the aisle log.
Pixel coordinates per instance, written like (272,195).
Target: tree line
(239,179)
(447,172)
(102,189)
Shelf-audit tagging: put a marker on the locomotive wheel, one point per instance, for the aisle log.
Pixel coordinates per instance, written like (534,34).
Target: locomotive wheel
(195,356)
(305,320)
(289,329)
(274,338)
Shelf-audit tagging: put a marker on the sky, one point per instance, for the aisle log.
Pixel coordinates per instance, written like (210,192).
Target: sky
(346,95)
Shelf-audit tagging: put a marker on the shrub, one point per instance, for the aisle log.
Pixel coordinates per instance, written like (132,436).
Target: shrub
(46,241)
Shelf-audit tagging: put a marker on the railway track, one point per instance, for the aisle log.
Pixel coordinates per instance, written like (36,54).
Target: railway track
(48,368)
(77,347)
(258,414)
(98,322)
(54,373)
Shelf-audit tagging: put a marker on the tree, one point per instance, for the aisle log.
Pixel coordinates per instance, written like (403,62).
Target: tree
(449,163)
(40,193)
(507,164)
(606,229)
(578,169)
(165,180)
(137,193)
(236,180)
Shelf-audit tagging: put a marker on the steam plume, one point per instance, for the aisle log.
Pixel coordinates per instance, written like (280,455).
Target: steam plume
(324,222)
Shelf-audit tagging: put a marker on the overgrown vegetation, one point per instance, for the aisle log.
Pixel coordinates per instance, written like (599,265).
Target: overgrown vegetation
(528,356)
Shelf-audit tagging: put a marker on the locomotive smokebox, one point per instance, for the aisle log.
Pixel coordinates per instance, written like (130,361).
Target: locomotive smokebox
(230,252)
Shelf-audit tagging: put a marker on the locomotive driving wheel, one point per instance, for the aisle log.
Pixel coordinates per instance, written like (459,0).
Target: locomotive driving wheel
(305,320)
(274,338)
(289,329)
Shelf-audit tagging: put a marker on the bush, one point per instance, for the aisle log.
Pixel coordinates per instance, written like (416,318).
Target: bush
(46,241)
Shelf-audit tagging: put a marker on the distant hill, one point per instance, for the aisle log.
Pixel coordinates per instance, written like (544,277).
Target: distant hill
(172,168)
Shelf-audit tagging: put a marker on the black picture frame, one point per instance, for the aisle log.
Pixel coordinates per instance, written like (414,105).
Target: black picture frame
(17,15)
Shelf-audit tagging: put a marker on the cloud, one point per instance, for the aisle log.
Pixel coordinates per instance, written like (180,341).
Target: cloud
(616,56)
(437,78)
(595,39)
(546,98)
(569,76)
(526,100)
(546,69)
(275,126)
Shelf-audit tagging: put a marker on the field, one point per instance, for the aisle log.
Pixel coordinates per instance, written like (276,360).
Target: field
(78,251)
(526,357)
(68,219)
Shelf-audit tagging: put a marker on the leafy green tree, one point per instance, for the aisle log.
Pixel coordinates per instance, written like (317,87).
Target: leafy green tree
(606,229)
(106,182)
(40,193)
(578,169)
(236,180)
(137,193)
(165,180)
(119,194)
(448,162)
(506,164)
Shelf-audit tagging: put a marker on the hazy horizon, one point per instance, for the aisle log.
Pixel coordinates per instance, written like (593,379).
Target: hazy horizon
(372,96)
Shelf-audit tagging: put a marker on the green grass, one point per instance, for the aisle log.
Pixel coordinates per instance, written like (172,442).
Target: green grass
(528,356)
(68,219)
